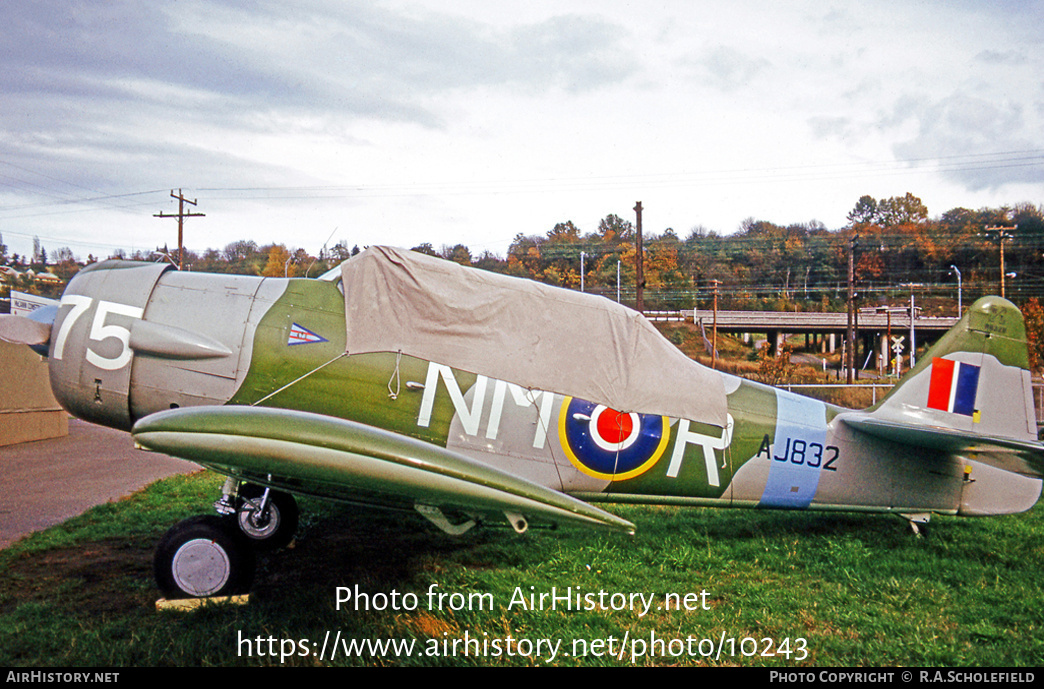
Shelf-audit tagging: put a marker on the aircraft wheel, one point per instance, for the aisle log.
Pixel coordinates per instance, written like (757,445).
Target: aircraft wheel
(273,529)
(203,556)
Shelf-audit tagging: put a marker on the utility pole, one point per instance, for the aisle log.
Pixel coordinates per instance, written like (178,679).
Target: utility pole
(181,215)
(639,276)
(888,341)
(850,331)
(1002,237)
(913,318)
(913,333)
(714,331)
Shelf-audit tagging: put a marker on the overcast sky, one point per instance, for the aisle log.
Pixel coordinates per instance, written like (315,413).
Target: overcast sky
(470,122)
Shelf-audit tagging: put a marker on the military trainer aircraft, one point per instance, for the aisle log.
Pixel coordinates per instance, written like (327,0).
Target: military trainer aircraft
(409,382)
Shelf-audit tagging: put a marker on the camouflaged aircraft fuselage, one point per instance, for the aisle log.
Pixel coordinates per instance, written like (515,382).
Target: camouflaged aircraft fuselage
(132,340)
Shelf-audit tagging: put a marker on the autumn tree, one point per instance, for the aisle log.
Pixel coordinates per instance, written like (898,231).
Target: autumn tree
(1033,315)
(524,256)
(278,264)
(613,229)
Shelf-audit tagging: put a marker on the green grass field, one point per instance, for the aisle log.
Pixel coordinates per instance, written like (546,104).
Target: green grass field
(782,589)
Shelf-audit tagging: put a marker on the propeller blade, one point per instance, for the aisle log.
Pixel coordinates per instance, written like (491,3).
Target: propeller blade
(22,330)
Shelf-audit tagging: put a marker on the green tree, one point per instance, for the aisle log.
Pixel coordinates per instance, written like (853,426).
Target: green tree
(340,252)
(864,212)
(457,253)
(426,248)
(901,210)
(245,258)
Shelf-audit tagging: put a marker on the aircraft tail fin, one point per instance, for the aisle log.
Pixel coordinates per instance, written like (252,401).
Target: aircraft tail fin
(975,380)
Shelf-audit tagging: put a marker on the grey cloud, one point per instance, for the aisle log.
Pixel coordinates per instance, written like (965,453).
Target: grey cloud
(102,50)
(727,68)
(128,81)
(1001,57)
(831,127)
(962,125)
(570,51)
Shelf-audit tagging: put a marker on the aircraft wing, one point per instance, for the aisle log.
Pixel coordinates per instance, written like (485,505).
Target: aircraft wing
(332,457)
(1010,454)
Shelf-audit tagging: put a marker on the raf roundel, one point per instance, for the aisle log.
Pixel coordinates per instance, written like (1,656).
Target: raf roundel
(605,443)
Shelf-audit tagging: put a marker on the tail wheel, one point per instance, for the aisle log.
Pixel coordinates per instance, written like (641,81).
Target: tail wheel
(269,529)
(203,556)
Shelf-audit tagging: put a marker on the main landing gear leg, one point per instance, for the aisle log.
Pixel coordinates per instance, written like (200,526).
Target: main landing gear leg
(214,555)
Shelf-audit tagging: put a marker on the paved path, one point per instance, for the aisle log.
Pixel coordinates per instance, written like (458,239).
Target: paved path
(43,483)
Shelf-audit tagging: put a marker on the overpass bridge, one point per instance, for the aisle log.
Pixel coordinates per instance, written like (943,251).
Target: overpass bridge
(825,330)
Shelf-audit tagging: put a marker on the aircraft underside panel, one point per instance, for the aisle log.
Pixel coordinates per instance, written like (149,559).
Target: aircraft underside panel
(338,457)
(989,490)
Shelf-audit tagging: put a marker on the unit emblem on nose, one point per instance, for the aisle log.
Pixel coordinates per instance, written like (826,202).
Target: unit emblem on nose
(302,335)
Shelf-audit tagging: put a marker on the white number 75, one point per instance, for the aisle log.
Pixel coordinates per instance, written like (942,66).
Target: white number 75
(99,329)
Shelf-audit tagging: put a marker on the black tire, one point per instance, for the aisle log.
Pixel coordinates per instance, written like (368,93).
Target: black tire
(276,529)
(203,556)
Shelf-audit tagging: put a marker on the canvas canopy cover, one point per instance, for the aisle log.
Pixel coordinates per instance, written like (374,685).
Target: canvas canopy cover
(523,332)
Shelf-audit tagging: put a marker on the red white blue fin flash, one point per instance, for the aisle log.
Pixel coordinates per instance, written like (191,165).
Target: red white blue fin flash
(953,386)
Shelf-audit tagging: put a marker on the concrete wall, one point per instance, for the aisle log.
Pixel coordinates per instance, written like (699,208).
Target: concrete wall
(28,410)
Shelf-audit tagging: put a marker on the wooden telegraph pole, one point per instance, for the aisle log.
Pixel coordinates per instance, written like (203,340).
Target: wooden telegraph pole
(850,331)
(1002,237)
(714,332)
(639,277)
(181,215)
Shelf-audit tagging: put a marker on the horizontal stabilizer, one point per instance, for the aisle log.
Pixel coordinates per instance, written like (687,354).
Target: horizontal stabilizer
(352,461)
(1010,454)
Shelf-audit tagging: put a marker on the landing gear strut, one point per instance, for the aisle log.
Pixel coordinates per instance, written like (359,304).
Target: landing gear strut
(268,518)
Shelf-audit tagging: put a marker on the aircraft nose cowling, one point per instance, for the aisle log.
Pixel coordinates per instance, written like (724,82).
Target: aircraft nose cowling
(90,358)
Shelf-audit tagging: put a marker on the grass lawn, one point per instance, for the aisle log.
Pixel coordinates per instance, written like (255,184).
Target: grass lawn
(764,588)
